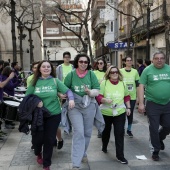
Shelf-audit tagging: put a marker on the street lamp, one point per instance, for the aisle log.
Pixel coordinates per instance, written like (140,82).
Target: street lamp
(148,3)
(102,31)
(48,54)
(45,51)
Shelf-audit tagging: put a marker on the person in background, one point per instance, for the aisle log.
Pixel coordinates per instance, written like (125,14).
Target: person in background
(108,65)
(1,65)
(2,85)
(83,82)
(156,81)
(46,86)
(6,63)
(61,72)
(141,66)
(130,78)
(147,62)
(99,71)
(34,68)
(9,90)
(113,95)
(16,68)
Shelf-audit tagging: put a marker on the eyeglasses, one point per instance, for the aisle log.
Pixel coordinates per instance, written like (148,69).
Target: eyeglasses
(157,59)
(67,57)
(113,72)
(128,60)
(81,62)
(99,63)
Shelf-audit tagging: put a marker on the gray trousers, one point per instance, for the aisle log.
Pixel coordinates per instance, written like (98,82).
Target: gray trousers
(158,115)
(82,120)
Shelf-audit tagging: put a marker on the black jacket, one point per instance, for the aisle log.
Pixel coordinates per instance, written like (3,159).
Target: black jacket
(29,113)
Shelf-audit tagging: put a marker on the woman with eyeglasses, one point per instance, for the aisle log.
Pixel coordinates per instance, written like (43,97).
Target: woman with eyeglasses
(113,95)
(84,84)
(100,69)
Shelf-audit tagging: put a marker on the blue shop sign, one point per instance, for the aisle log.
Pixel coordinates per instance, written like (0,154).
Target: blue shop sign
(119,45)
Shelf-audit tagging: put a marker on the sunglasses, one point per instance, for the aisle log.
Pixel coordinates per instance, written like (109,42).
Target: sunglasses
(99,63)
(81,62)
(113,72)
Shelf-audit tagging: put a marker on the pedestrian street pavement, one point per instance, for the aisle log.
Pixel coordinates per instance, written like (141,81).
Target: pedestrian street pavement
(15,152)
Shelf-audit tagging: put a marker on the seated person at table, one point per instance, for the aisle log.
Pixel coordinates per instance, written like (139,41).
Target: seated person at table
(9,89)
(2,84)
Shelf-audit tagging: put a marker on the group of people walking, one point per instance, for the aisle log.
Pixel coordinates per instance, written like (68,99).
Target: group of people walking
(103,97)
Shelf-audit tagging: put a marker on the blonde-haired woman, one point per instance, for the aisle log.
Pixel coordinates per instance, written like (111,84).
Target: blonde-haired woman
(113,95)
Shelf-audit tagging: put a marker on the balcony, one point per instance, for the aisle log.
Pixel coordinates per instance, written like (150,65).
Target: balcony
(156,20)
(124,31)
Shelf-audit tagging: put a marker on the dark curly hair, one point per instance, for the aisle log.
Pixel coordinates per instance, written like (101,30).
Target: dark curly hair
(78,56)
(38,73)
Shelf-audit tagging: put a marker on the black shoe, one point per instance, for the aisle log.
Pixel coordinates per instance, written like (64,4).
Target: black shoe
(155,156)
(8,126)
(99,135)
(122,160)
(60,144)
(162,145)
(32,147)
(104,150)
(129,133)
(55,143)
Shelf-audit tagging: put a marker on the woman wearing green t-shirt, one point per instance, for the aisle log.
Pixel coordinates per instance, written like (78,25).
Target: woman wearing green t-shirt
(46,87)
(99,71)
(113,95)
(83,82)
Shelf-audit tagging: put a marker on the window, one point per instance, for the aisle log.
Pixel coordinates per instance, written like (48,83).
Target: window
(52,30)
(74,28)
(52,17)
(68,1)
(54,43)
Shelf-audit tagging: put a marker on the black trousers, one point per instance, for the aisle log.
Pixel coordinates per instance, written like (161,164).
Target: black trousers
(158,115)
(130,117)
(46,139)
(118,123)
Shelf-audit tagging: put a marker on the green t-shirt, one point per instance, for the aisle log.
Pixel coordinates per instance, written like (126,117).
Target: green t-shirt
(29,80)
(66,70)
(99,75)
(130,78)
(46,90)
(77,85)
(114,92)
(157,84)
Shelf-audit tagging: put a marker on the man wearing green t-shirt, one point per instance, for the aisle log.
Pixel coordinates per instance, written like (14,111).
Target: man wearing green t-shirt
(34,68)
(156,81)
(130,78)
(63,69)
(61,72)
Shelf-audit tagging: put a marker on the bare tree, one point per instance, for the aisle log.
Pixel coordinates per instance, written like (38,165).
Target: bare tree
(81,18)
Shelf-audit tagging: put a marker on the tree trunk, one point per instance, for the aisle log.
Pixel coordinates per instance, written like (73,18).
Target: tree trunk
(167,29)
(13,30)
(31,46)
